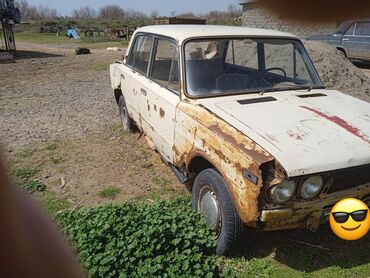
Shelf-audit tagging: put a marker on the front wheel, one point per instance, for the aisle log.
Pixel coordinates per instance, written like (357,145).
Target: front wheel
(211,197)
(126,120)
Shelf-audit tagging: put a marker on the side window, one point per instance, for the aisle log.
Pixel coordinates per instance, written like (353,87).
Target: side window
(362,29)
(140,53)
(350,30)
(165,68)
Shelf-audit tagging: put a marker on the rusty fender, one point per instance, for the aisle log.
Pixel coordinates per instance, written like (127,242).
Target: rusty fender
(199,132)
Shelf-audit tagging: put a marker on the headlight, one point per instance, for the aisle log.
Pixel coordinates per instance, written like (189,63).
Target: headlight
(282,192)
(311,187)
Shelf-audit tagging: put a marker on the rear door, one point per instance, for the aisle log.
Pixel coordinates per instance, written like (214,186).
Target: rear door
(361,40)
(348,41)
(135,73)
(160,96)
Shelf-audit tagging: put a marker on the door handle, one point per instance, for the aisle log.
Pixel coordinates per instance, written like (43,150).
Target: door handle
(143,92)
(345,39)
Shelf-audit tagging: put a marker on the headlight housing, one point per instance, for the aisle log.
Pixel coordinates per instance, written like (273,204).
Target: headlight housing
(283,192)
(311,187)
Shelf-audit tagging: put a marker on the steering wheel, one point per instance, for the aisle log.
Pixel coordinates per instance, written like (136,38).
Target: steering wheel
(258,75)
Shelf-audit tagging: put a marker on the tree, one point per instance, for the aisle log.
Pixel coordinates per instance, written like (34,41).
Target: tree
(84,13)
(112,12)
(154,14)
(234,10)
(32,12)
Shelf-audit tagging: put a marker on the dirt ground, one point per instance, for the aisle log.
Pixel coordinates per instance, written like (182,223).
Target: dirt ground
(58,114)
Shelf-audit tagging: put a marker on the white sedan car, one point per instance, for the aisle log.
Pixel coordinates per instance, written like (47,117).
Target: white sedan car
(244,120)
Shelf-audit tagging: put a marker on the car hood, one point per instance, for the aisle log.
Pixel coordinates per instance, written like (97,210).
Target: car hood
(307,132)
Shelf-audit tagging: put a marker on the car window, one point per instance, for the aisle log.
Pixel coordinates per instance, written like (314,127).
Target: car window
(246,65)
(350,30)
(140,53)
(362,29)
(279,58)
(242,53)
(165,69)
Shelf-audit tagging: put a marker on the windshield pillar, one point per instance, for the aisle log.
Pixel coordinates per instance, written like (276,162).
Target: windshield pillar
(261,56)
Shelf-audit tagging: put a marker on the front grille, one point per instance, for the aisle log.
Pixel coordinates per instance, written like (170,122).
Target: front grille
(348,178)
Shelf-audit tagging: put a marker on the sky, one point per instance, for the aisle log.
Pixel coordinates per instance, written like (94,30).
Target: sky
(164,7)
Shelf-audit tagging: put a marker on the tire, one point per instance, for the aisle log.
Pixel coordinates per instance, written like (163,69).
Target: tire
(211,191)
(126,120)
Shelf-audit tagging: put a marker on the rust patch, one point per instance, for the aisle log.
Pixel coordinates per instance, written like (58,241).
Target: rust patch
(229,151)
(250,150)
(340,122)
(161,113)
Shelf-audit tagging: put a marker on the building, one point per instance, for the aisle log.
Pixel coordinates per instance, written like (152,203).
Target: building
(256,16)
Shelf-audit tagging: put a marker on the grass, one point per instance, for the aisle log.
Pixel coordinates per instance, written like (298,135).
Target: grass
(264,254)
(42,38)
(109,192)
(25,177)
(52,203)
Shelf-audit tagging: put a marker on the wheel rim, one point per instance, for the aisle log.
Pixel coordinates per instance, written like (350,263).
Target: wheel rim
(210,209)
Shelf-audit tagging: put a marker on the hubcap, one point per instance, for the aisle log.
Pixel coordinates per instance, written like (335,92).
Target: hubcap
(210,208)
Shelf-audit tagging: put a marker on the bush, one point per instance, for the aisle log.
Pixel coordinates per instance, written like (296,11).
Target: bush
(166,239)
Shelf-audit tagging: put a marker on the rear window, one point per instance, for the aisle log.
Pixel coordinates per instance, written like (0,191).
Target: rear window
(140,53)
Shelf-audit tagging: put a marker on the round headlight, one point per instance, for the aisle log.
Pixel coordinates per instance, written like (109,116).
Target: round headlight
(311,187)
(282,192)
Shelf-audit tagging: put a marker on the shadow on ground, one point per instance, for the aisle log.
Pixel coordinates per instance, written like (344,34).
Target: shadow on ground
(24,54)
(287,248)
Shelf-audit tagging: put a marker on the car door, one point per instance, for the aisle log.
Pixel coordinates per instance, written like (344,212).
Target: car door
(160,96)
(361,40)
(348,41)
(135,73)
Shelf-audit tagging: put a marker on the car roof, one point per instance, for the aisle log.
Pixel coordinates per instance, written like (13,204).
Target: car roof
(183,32)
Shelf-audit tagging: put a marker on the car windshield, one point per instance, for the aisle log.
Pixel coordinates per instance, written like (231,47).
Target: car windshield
(247,65)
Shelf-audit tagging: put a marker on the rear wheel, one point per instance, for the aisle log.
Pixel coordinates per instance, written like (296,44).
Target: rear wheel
(212,198)
(127,122)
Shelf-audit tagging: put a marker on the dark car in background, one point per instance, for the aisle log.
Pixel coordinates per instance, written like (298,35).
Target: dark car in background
(351,37)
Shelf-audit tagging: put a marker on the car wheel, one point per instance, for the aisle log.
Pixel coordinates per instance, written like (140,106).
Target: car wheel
(211,197)
(127,122)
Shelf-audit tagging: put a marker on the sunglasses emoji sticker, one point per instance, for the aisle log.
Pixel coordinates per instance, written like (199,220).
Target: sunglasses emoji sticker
(349,219)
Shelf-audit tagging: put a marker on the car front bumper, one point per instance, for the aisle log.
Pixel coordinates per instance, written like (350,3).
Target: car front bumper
(309,214)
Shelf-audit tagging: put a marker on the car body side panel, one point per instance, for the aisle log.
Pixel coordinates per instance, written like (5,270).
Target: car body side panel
(125,79)
(200,133)
(157,109)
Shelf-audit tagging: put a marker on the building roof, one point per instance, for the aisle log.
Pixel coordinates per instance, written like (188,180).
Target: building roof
(183,32)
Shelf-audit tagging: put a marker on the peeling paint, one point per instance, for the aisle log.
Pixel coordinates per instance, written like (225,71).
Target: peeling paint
(340,122)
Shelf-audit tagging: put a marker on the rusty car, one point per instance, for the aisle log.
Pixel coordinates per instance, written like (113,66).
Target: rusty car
(243,119)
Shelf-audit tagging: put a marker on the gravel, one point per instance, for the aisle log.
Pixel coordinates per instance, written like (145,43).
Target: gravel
(45,95)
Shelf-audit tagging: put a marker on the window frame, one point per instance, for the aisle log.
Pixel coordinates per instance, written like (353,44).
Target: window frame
(151,58)
(231,37)
(349,27)
(354,30)
(154,52)
(132,49)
